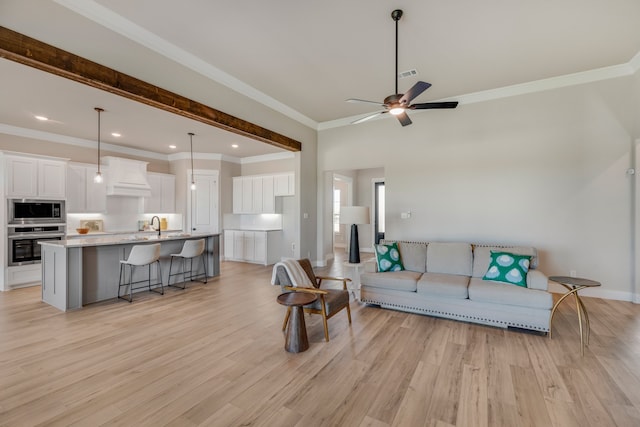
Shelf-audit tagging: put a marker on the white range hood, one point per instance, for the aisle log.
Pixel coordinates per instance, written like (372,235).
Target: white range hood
(126,177)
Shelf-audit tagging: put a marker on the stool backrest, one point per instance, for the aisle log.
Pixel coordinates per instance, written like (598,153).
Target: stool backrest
(144,254)
(192,248)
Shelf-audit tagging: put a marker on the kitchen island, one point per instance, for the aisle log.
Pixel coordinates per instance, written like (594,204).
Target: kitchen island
(76,272)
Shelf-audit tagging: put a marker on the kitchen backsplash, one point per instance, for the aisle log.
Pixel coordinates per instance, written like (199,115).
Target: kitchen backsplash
(126,219)
(123,222)
(253,221)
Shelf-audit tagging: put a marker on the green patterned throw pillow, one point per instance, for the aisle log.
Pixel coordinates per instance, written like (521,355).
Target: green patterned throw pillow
(508,268)
(388,257)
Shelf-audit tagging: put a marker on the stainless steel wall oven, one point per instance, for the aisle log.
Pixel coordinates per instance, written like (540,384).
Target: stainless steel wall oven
(23,241)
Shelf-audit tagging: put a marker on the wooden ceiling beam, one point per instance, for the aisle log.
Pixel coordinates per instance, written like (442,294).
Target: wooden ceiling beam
(34,53)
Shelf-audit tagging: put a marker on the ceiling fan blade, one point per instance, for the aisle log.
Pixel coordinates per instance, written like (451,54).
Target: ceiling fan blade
(369,117)
(404,119)
(434,105)
(354,100)
(415,90)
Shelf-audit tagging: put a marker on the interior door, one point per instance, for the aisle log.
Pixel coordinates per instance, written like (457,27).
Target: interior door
(202,212)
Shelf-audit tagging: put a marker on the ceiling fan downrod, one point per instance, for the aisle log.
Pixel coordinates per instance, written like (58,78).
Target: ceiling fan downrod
(396,15)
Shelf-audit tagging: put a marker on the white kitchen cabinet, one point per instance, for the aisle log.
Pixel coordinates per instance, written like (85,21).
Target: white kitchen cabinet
(248,246)
(285,184)
(242,195)
(238,245)
(247,195)
(76,188)
(228,244)
(30,177)
(255,194)
(261,247)
(23,275)
(268,198)
(83,194)
(163,193)
(237,195)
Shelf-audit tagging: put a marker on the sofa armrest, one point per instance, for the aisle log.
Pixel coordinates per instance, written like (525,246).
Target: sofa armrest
(537,280)
(371,266)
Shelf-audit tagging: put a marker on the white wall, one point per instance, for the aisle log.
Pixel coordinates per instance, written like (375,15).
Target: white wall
(546,169)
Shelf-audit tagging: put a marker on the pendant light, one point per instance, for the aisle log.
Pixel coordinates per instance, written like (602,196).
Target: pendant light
(193,182)
(98,178)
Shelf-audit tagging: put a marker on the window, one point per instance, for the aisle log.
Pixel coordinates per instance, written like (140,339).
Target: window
(336,210)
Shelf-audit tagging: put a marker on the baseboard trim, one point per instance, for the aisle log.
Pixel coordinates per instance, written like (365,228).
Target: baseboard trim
(599,293)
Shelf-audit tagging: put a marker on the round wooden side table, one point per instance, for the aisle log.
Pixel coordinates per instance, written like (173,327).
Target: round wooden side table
(296,334)
(573,285)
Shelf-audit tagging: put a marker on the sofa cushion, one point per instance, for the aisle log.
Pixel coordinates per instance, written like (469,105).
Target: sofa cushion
(444,285)
(508,268)
(388,257)
(482,257)
(502,293)
(450,258)
(397,280)
(537,280)
(414,256)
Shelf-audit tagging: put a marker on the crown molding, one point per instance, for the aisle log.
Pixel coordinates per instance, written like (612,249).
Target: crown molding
(206,156)
(599,74)
(267,158)
(232,159)
(79,142)
(111,20)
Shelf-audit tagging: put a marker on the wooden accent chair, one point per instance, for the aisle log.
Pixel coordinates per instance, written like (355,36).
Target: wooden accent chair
(329,302)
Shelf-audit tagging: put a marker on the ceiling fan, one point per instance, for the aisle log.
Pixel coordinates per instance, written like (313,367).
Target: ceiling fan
(398,103)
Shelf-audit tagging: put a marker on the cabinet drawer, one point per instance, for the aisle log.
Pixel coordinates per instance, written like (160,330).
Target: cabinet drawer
(24,274)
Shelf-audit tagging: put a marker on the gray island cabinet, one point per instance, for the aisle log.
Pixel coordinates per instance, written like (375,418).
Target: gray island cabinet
(76,272)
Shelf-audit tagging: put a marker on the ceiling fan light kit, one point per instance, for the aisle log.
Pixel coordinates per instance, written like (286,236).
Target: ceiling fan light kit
(398,103)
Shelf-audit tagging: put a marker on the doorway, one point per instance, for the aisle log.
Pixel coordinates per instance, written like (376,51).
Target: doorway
(342,196)
(378,209)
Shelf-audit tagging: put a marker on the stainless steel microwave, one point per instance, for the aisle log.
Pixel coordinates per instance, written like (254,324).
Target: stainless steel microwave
(26,211)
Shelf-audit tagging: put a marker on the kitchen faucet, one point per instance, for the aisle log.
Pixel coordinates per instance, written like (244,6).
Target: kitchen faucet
(152,218)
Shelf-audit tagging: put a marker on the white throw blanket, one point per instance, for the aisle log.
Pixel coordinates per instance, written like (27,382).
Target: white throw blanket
(295,271)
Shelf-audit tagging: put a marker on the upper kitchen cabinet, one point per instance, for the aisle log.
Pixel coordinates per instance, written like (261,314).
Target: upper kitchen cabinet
(285,184)
(31,177)
(255,194)
(163,193)
(83,194)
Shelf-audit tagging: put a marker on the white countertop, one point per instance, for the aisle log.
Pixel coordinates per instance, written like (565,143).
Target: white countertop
(253,229)
(140,237)
(116,233)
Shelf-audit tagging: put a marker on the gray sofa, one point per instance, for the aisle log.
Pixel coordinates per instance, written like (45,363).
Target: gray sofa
(445,280)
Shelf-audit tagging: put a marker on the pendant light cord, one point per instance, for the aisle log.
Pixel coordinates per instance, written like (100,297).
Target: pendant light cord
(99,110)
(191,139)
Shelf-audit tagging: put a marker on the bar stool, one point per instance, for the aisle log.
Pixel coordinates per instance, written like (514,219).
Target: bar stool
(139,256)
(190,250)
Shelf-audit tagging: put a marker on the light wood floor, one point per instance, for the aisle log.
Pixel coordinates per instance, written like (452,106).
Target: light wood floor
(213,355)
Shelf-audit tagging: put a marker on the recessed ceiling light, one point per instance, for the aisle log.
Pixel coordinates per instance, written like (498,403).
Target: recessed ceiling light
(234,145)
(173,147)
(42,118)
(116,134)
